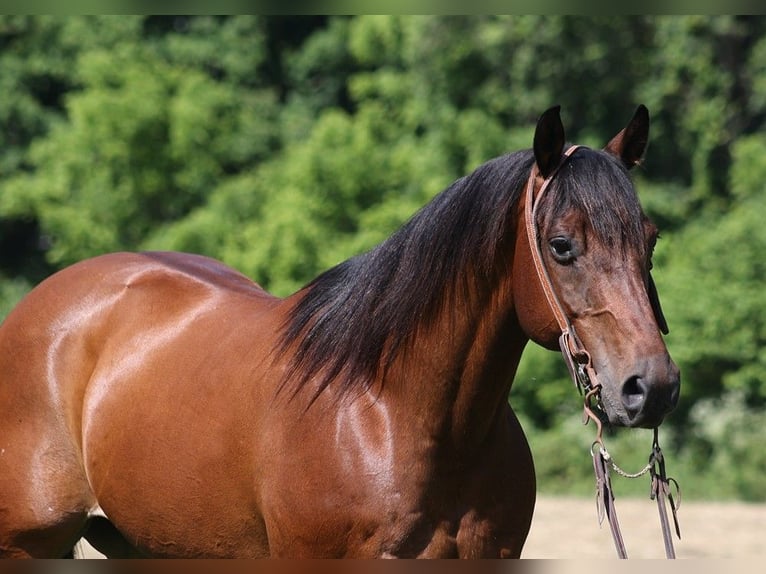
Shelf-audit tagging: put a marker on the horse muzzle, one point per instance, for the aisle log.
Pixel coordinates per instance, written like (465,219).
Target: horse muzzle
(647,396)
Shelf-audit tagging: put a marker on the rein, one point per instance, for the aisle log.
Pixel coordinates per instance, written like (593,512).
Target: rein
(580,367)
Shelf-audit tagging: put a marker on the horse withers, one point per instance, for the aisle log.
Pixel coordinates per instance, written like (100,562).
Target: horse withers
(163,404)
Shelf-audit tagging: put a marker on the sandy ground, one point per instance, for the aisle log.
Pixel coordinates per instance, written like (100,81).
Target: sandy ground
(568,528)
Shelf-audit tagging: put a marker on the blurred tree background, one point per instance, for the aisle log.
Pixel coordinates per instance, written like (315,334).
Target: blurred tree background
(283,145)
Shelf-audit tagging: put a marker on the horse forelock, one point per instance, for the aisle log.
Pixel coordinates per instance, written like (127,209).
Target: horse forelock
(599,186)
(352,321)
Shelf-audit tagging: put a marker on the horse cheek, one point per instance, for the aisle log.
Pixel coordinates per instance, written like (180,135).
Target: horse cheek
(535,316)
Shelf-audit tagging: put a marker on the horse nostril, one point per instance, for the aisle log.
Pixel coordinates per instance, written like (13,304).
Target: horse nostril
(648,399)
(633,396)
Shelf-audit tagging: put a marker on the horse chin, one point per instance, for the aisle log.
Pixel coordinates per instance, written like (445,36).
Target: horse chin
(620,418)
(645,422)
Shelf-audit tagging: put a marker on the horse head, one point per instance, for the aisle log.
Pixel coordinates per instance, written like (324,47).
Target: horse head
(582,268)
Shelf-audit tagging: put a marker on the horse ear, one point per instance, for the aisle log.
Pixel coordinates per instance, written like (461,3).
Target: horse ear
(630,144)
(549,141)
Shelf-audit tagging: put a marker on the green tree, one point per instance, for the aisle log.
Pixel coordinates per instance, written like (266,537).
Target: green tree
(715,296)
(145,139)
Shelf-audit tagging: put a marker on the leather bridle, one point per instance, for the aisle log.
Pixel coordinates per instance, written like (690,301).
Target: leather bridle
(585,378)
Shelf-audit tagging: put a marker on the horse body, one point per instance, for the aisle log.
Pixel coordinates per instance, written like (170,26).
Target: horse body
(177,456)
(203,464)
(364,416)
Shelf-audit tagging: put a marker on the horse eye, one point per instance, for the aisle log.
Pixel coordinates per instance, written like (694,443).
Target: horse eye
(561,247)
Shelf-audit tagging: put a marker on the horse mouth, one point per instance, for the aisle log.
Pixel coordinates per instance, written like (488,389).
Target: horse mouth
(637,414)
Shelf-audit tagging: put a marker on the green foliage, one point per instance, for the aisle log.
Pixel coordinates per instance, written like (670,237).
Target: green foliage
(725,452)
(543,390)
(145,137)
(713,286)
(721,455)
(283,145)
(11,292)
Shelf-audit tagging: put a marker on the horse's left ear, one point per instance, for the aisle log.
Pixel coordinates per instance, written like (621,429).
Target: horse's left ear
(630,144)
(549,141)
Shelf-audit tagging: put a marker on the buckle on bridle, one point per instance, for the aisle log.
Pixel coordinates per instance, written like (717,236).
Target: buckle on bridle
(577,360)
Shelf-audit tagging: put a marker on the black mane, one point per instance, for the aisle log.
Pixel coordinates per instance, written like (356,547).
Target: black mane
(355,318)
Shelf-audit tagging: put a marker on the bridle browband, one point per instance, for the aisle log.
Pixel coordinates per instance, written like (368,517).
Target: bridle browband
(585,378)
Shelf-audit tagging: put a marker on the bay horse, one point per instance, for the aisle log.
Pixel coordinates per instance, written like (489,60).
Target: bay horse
(162,404)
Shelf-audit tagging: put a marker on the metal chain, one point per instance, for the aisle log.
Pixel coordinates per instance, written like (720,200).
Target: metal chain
(608,458)
(660,485)
(594,393)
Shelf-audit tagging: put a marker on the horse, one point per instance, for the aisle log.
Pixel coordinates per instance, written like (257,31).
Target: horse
(162,404)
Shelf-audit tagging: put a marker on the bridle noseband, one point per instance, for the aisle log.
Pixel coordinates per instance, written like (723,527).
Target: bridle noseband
(585,378)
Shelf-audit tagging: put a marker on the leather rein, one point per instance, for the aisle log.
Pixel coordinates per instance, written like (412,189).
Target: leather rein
(585,378)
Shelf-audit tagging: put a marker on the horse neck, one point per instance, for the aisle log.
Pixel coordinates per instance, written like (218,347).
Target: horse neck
(459,370)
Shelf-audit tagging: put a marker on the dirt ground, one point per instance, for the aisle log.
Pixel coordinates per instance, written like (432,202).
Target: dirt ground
(568,528)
